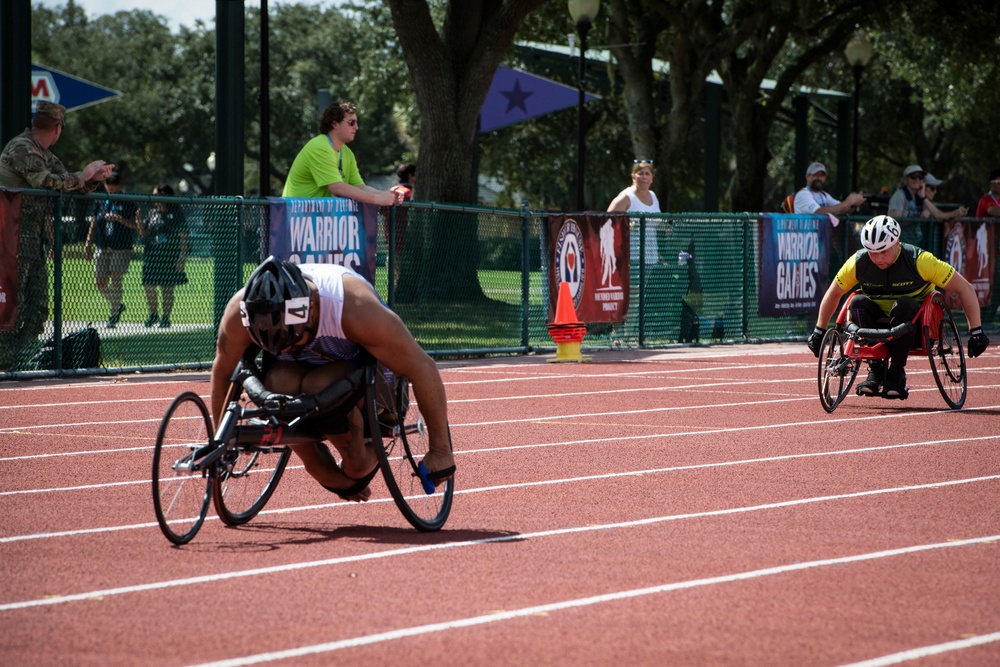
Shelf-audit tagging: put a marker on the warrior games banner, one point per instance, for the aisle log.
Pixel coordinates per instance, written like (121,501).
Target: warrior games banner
(967,248)
(590,252)
(10,232)
(795,264)
(327,230)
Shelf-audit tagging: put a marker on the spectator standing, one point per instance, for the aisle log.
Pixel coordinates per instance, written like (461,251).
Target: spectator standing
(326,167)
(814,200)
(165,237)
(406,173)
(110,241)
(989,203)
(908,199)
(639,198)
(931,185)
(27,161)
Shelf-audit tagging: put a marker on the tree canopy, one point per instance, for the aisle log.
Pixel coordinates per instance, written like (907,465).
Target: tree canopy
(419,71)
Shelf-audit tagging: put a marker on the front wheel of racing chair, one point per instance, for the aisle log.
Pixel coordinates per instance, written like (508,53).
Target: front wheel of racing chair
(944,350)
(401,443)
(249,472)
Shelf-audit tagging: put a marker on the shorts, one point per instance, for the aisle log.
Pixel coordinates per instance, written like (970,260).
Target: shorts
(108,261)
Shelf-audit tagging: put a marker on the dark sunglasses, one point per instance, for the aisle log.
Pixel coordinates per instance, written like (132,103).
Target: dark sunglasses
(917,177)
(353,122)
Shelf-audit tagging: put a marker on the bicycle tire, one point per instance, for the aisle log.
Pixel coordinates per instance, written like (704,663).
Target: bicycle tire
(246,477)
(947,359)
(401,444)
(181,497)
(836,370)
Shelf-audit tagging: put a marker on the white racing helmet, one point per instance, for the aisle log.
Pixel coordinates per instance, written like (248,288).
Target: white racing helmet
(879,233)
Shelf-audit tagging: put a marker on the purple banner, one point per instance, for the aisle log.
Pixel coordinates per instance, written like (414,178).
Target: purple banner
(794,264)
(326,230)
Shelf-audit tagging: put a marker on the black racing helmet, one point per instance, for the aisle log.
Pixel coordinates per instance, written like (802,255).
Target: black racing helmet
(275,305)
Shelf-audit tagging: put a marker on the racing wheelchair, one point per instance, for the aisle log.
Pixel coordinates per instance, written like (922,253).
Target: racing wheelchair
(846,346)
(238,467)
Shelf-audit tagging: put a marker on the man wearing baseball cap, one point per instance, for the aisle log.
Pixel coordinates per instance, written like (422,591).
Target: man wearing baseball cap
(813,200)
(27,162)
(989,203)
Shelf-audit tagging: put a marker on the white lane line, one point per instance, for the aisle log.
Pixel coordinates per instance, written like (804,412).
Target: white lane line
(405,551)
(926,651)
(696,466)
(415,631)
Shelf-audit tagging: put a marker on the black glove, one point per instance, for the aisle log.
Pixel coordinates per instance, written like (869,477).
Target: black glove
(978,342)
(816,340)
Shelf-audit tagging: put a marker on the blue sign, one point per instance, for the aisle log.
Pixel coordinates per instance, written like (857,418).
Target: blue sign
(325,230)
(72,92)
(515,96)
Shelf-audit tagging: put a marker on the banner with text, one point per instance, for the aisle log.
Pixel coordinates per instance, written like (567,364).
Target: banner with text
(10,234)
(328,230)
(794,264)
(591,253)
(967,248)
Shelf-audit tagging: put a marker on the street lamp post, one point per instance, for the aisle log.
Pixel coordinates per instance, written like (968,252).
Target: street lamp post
(583,13)
(858,52)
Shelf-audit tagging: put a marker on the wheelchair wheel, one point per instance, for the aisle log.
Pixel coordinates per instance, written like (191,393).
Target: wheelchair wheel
(944,349)
(401,443)
(180,495)
(247,474)
(836,370)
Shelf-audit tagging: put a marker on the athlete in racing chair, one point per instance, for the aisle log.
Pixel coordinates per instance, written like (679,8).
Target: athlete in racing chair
(317,320)
(894,278)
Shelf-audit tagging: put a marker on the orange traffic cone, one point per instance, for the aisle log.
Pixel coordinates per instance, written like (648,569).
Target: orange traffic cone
(567,331)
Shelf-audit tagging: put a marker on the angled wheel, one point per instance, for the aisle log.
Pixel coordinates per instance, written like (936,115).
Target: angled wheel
(944,349)
(248,473)
(180,495)
(836,370)
(401,443)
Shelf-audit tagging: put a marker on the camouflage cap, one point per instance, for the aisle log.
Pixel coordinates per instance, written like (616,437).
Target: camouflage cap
(50,109)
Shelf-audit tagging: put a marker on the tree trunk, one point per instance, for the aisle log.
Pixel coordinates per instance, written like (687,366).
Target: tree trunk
(451,71)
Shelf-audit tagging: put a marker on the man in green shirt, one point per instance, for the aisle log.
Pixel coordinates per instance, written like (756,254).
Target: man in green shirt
(326,167)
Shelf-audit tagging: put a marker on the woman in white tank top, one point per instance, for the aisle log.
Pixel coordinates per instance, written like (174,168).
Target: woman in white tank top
(639,198)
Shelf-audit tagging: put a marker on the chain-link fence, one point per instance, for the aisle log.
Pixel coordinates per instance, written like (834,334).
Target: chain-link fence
(466,280)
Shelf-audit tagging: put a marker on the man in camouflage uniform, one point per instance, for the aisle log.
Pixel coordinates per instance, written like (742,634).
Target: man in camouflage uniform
(28,162)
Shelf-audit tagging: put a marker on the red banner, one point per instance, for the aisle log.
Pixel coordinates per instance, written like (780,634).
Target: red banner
(591,253)
(10,232)
(967,248)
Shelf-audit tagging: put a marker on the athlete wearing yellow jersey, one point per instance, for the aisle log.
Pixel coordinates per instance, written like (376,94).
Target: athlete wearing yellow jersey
(893,279)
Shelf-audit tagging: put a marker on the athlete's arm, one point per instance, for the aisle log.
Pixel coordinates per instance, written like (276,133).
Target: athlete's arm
(232,342)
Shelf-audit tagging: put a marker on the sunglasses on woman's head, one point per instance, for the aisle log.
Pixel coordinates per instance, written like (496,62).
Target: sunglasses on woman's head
(649,162)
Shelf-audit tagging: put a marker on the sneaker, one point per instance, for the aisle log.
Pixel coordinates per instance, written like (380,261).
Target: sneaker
(152,319)
(895,383)
(873,383)
(117,315)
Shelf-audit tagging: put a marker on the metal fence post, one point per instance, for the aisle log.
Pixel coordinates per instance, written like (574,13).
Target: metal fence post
(642,281)
(57,243)
(525,275)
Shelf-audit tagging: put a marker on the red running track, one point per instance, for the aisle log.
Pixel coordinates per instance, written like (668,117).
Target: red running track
(679,507)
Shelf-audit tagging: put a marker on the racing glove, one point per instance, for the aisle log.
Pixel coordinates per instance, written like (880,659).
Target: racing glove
(978,342)
(816,340)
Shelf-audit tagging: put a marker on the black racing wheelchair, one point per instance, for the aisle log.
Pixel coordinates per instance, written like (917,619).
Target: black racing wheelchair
(238,467)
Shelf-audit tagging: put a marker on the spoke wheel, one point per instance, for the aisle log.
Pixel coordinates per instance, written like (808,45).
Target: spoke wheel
(836,370)
(247,474)
(944,350)
(180,495)
(401,443)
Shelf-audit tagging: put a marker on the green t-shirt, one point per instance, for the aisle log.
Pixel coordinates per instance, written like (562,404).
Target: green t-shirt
(317,165)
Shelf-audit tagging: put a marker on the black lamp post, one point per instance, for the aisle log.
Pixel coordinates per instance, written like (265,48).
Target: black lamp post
(582,12)
(858,52)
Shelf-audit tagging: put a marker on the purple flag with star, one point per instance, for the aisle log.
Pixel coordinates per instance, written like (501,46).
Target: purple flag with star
(515,96)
